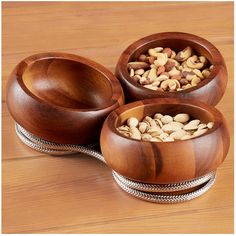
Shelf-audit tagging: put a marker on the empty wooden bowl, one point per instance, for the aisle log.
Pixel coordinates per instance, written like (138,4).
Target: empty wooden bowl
(62,97)
(165,162)
(210,90)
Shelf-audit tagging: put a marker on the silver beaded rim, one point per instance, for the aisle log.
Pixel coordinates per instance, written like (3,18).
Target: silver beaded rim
(157,193)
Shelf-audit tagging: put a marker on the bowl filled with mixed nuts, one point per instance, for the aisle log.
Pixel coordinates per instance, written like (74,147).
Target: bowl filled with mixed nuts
(164,140)
(175,65)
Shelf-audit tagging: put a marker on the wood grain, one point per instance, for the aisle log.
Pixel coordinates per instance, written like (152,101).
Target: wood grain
(165,162)
(209,90)
(62,98)
(43,194)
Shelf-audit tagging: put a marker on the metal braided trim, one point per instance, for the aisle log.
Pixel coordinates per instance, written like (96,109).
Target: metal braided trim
(144,191)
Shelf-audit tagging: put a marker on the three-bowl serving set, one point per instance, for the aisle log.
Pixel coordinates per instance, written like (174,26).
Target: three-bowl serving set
(64,103)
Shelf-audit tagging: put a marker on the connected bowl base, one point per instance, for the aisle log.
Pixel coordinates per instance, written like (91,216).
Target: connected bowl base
(158,193)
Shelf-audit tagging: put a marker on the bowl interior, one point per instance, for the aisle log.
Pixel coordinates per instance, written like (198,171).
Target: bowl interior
(141,111)
(176,44)
(68,83)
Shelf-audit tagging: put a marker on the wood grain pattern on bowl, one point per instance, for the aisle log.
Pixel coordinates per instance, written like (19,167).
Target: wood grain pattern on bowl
(165,162)
(62,97)
(209,90)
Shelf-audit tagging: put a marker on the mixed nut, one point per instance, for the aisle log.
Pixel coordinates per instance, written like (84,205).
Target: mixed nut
(164,128)
(162,69)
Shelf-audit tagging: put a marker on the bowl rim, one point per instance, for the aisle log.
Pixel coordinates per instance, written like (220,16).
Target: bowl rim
(20,68)
(217,60)
(114,115)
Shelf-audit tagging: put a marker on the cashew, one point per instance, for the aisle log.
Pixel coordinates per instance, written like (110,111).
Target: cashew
(132,121)
(187,86)
(150,86)
(152,74)
(146,73)
(145,81)
(184,54)
(174,71)
(158,49)
(198,73)
(166,119)
(161,59)
(139,72)
(206,73)
(192,62)
(182,118)
(203,60)
(156,83)
(211,67)
(195,81)
(152,52)
(138,65)
(162,78)
(192,125)
(190,76)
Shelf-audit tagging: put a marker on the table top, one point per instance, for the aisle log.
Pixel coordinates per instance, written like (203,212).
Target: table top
(77,194)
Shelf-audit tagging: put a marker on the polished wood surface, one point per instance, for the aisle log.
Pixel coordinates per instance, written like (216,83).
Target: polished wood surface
(76,194)
(75,92)
(165,162)
(209,90)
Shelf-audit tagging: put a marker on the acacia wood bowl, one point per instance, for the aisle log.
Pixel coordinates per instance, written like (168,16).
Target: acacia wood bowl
(210,90)
(61,97)
(164,162)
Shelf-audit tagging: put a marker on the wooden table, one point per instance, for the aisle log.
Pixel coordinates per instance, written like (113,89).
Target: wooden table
(75,194)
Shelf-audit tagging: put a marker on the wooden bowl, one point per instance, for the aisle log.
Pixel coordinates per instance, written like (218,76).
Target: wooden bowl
(62,97)
(209,90)
(165,162)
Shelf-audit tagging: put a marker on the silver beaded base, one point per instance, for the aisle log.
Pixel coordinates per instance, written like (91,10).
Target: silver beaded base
(158,193)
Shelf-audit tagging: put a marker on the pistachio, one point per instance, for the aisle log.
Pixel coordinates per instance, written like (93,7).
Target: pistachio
(178,134)
(146,137)
(166,119)
(199,132)
(134,133)
(210,125)
(186,136)
(155,139)
(182,118)
(192,125)
(132,121)
(152,129)
(158,116)
(142,127)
